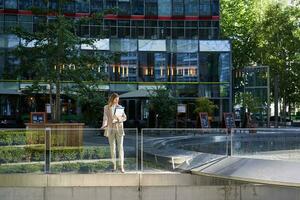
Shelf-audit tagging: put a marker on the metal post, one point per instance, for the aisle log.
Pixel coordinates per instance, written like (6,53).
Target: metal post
(47,150)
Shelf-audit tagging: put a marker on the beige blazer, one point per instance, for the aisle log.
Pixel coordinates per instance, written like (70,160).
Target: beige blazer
(108,124)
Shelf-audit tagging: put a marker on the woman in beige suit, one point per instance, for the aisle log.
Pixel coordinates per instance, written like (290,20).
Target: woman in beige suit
(113,126)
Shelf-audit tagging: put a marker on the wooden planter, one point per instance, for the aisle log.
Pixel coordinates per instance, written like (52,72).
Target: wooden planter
(62,134)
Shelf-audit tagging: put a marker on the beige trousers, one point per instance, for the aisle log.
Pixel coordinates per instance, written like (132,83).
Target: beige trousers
(113,139)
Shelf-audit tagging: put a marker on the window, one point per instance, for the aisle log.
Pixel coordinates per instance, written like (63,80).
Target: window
(110,28)
(186,66)
(191,30)
(137,29)
(204,9)
(10,21)
(124,7)
(161,67)
(124,67)
(165,29)
(123,29)
(215,8)
(10,4)
(177,29)
(53,4)
(191,7)
(151,8)
(25,21)
(96,5)
(146,66)
(1,4)
(41,4)
(151,31)
(137,7)
(110,4)
(38,21)
(178,8)
(164,7)
(69,7)
(1,23)
(25,4)
(82,6)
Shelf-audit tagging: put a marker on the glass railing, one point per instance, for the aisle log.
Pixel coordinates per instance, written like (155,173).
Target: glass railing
(63,151)
(269,144)
(88,150)
(22,151)
(181,149)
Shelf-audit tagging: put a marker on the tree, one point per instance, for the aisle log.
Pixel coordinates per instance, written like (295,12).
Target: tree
(280,49)
(203,104)
(53,55)
(164,105)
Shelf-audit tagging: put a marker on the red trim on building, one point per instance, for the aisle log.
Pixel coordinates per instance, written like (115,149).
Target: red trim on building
(116,17)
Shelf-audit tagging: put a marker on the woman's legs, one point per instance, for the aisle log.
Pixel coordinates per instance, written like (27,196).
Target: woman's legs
(120,139)
(112,144)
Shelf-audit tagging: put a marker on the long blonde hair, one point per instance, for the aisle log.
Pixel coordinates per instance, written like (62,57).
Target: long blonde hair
(112,98)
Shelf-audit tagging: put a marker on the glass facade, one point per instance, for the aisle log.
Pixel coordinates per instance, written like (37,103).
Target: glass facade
(150,40)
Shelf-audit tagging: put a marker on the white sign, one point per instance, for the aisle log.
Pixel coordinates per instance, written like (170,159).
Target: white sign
(48,108)
(181,108)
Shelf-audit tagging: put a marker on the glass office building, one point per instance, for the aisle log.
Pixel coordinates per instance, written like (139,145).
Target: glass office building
(172,43)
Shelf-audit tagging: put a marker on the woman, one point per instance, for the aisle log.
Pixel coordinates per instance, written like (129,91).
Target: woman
(113,126)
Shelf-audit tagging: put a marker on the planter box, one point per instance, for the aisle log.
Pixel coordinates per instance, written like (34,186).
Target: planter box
(62,134)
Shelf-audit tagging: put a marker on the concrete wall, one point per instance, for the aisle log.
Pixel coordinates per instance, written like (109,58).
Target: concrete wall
(136,187)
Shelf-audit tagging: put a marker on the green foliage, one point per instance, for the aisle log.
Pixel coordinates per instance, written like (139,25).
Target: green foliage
(32,153)
(55,56)
(80,167)
(92,103)
(248,101)
(164,105)
(30,168)
(203,104)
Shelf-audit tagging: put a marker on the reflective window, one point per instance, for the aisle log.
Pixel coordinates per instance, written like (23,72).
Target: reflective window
(204,33)
(124,67)
(146,66)
(110,4)
(82,6)
(38,21)
(137,7)
(164,7)
(215,8)
(10,22)
(164,29)
(151,30)
(96,5)
(151,8)
(178,29)
(224,67)
(25,21)
(178,8)
(161,67)
(11,4)
(1,23)
(110,28)
(137,29)
(69,7)
(25,4)
(53,4)
(41,4)
(204,8)
(186,66)
(124,7)
(191,7)
(123,29)
(191,29)
(1,4)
